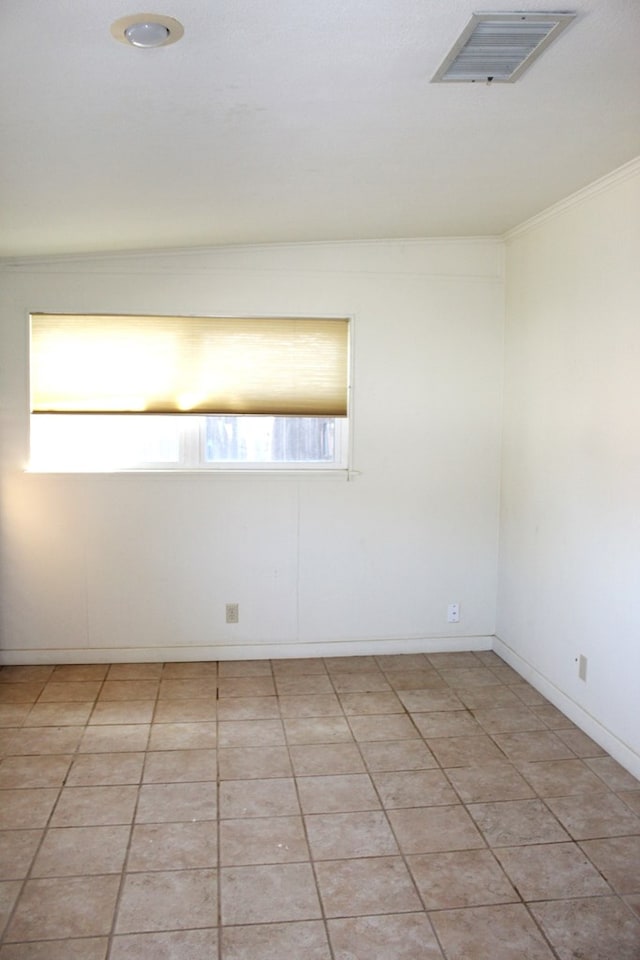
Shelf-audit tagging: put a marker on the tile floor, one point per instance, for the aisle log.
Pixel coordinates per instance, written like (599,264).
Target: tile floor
(413,807)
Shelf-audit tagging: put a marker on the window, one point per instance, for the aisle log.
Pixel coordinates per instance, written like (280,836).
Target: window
(201,393)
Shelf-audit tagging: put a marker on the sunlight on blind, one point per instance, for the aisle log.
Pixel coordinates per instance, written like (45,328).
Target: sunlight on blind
(199,365)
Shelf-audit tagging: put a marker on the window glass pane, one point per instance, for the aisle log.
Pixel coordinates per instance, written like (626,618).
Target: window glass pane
(86,442)
(270,440)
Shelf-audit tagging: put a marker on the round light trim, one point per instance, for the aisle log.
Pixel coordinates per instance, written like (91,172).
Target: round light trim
(147,30)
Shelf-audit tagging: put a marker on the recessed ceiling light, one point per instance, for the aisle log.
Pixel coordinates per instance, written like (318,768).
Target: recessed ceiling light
(147,30)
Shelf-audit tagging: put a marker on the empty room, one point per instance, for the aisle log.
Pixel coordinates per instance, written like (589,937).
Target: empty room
(319,481)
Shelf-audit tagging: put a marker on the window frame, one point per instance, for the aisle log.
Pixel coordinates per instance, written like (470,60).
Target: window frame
(192,438)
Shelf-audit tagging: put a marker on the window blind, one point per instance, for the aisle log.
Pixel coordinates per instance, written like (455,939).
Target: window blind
(278,366)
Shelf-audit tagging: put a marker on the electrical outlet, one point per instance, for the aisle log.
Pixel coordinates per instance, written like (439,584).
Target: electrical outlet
(232,612)
(453,613)
(582,667)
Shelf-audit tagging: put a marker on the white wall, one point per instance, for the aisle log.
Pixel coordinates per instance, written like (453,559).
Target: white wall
(117,567)
(570,537)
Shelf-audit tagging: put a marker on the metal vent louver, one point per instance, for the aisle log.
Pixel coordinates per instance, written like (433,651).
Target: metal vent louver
(498,47)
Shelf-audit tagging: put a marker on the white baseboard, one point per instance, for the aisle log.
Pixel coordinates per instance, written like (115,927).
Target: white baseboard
(619,750)
(245,651)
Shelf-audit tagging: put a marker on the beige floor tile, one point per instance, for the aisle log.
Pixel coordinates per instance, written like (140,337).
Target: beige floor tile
(249,708)
(55,692)
(477,697)
(360,682)
(306,940)
(580,743)
(317,759)
(506,674)
(595,815)
(182,945)
(364,704)
(416,680)
(513,822)
(465,878)
(387,727)
(632,799)
(600,929)
(335,836)
(551,870)
(262,840)
(317,730)
(633,902)
(414,788)
(122,711)
(258,798)
(246,687)
(528,694)
(298,667)
(113,738)
(26,809)
(403,662)
(46,771)
(185,711)
(20,692)
(466,677)
(15,714)
(94,806)
(424,701)
(250,733)
(27,673)
(397,755)
(168,802)
(275,893)
(504,932)
(615,776)
(94,948)
(36,741)
(17,850)
(404,936)
(247,763)
(245,668)
(105,769)
(618,859)
(435,829)
(495,780)
(174,766)
(302,685)
(168,900)
(82,851)
(533,745)
(80,671)
(457,660)
(173,846)
(351,664)
(64,907)
(554,718)
(560,778)
(129,690)
(337,794)
(204,688)
(182,736)
(447,723)
(312,705)
(190,670)
(512,719)
(58,714)
(464,751)
(9,890)
(134,671)
(350,888)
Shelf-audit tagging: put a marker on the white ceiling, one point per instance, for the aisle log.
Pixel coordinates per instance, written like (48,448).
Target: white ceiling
(285,120)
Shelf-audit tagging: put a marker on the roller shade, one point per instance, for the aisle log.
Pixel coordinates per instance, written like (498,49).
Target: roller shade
(196,365)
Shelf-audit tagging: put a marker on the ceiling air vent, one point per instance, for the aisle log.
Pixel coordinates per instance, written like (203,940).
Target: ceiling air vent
(498,47)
